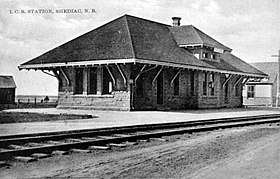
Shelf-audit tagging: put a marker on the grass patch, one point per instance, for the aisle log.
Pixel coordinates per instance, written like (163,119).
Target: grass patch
(18,117)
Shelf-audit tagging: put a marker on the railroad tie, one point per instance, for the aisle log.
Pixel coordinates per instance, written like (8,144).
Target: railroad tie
(59,152)
(3,150)
(40,155)
(142,140)
(117,145)
(4,164)
(79,151)
(32,144)
(142,133)
(24,159)
(159,139)
(17,147)
(106,137)
(55,142)
(90,138)
(130,143)
(122,135)
(99,148)
(74,140)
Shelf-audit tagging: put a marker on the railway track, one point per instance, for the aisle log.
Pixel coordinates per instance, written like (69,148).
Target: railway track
(30,147)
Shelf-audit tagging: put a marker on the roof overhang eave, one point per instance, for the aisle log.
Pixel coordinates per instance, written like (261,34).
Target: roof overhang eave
(74,64)
(215,70)
(207,45)
(8,87)
(133,60)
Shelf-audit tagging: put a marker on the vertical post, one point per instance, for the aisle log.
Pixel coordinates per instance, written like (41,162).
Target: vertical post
(35,102)
(131,89)
(85,81)
(278,79)
(99,80)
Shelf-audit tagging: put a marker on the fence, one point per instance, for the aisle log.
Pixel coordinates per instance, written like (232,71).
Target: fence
(25,101)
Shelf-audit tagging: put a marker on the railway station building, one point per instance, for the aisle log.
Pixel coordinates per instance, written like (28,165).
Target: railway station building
(132,63)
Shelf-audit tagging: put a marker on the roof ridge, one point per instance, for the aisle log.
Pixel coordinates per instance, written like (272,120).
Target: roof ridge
(77,37)
(196,30)
(262,62)
(193,27)
(129,36)
(259,71)
(127,15)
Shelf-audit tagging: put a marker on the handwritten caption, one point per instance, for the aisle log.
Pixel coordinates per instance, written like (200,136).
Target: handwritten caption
(52,11)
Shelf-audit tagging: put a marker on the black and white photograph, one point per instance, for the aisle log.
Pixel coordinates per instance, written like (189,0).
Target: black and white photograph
(140,89)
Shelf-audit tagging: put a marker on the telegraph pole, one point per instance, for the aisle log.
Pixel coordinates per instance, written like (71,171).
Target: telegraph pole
(278,79)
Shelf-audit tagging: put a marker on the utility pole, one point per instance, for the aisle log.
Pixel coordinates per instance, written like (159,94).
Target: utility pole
(278,78)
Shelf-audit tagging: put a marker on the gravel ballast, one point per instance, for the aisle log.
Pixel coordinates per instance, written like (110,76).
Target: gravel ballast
(180,156)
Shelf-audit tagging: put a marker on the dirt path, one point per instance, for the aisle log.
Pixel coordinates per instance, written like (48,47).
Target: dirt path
(209,154)
(259,160)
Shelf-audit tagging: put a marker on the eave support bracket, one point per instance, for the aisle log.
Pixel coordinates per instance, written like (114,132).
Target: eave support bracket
(149,69)
(122,74)
(227,79)
(157,74)
(178,72)
(57,75)
(139,73)
(111,74)
(145,71)
(236,83)
(246,80)
(49,74)
(65,76)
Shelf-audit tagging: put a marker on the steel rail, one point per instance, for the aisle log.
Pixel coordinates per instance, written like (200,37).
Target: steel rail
(21,139)
(165,130)
(139,127)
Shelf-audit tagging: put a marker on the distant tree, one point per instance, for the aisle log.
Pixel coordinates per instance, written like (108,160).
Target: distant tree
(46,99)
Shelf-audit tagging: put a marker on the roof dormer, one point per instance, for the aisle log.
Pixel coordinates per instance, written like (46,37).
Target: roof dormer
(189,36)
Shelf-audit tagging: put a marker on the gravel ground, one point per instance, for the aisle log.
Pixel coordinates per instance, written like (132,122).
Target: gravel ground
(121,118)
(20,117)
(183,156)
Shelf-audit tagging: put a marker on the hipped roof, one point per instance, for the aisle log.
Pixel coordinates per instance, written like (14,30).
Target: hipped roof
(190,35)
(133,39)
(7,82)
(270,68)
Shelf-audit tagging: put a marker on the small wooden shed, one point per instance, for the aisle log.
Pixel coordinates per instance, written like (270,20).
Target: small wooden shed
(7,90)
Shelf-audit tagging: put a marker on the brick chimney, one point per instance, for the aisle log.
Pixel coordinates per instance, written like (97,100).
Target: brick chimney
(176,21)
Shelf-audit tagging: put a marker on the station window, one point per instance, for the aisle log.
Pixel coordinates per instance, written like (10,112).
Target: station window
(211,84)
(192,82)
(205,55)
(251,91)
(204,90)
(107,81)
(238,89)
(92,77)
(226,93)
(139,86)
(213,56)
(176,85)
(196,55)
(79,81)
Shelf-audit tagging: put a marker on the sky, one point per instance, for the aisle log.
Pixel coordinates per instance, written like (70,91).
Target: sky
(250,27)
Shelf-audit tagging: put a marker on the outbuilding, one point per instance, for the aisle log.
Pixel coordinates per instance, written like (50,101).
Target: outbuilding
(132,63)
(262,92)
(7,90)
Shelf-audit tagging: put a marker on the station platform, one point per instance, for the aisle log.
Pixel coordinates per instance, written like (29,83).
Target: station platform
(120,118)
